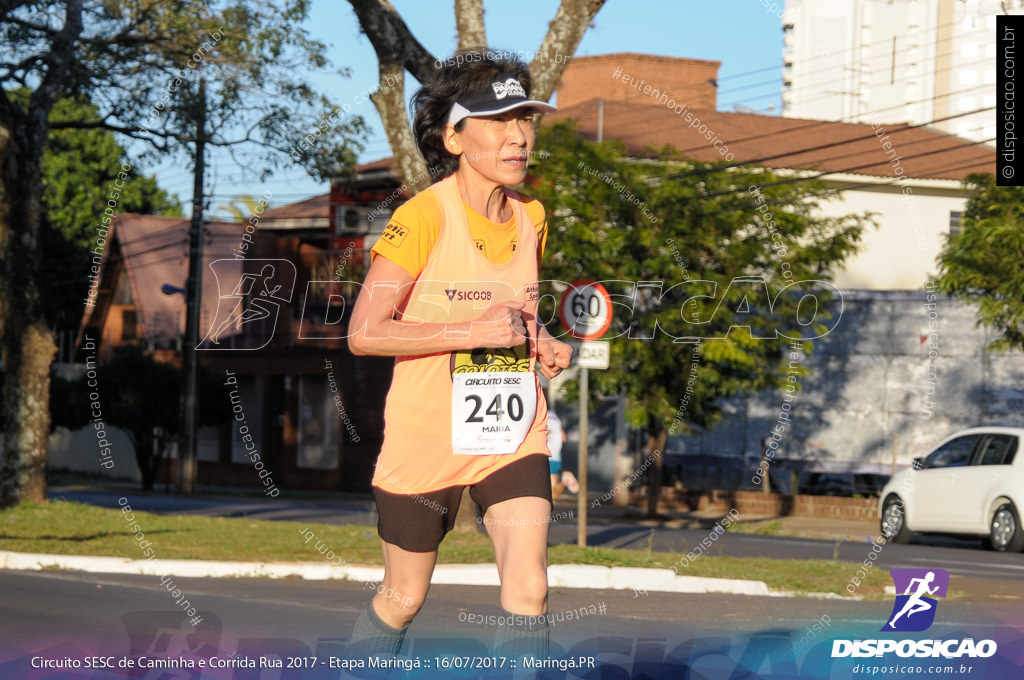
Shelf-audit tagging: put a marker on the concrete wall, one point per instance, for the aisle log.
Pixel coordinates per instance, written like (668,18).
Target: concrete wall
(79,451)
(875,395)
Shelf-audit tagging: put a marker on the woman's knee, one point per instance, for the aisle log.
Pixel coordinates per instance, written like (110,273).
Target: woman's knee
(529,587)
(401,608)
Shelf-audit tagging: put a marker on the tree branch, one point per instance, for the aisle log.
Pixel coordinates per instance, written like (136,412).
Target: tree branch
(390,102)
(58,63)
(392,39)
(469,22)
(563,37)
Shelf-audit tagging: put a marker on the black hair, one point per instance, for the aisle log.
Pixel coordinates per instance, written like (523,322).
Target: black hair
(464,73)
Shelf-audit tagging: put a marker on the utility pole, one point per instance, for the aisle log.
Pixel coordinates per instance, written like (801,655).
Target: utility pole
(189,431)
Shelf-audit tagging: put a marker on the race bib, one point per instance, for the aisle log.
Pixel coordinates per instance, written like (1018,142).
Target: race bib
(494,400)
(492,412)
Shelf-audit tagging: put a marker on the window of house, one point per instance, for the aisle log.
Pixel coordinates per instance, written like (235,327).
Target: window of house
(956,222)
(208,444)
(246,403)
(318,424)
(129,325)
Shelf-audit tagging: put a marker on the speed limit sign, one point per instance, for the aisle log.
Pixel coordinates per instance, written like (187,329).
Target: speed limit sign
(586,310)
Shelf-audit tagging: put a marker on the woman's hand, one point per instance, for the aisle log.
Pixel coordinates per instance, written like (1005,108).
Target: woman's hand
(500,326)
(553,356)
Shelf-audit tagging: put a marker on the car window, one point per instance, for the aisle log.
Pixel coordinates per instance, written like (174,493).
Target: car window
(996,449)
(953,453)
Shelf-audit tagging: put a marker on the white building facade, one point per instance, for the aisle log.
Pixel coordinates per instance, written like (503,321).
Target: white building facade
(891,61)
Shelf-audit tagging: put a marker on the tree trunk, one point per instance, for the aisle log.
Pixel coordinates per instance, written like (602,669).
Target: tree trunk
(656,445)
(398,50)
(465,519)
(563,37)
(27,346)
(469,22)
(149,464)
(390,103)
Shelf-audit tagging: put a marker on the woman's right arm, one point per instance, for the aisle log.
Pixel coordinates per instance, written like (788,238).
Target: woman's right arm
(374,330)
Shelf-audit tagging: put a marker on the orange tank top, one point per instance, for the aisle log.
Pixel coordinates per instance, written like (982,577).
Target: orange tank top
(436,397)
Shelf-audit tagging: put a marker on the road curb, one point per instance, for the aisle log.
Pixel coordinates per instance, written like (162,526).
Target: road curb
(559,575)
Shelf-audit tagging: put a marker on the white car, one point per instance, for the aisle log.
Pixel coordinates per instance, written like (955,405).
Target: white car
(972,484)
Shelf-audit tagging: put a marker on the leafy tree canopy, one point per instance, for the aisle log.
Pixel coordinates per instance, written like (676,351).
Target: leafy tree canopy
(984,264)
(80,168)
(730,247)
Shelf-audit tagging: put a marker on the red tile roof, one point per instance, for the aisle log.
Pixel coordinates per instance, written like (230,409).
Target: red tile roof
(317,207)
(155,252)
(784,142)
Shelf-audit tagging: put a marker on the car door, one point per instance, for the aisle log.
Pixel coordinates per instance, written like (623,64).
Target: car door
(936,482)
(977,484)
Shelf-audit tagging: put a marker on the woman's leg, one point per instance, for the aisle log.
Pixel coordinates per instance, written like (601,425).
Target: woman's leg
(405,585)
(380,628)
(518,529)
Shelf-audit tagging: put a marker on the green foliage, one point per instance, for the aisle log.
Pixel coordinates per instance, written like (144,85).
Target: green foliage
(141,63)
(671,220)
(242,208)
(984,264)
(80,168)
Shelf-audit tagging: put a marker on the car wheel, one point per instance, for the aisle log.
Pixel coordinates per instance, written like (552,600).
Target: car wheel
(894,525)
(1005,533)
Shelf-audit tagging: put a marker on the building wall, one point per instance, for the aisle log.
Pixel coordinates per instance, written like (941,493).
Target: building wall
(689,80)
(874,395)
(901,253)
(880,60)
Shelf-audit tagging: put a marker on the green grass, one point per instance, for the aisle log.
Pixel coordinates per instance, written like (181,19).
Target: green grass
(59,527)
(770,527)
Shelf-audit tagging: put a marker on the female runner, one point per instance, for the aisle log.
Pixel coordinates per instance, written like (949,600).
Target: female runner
(452,293)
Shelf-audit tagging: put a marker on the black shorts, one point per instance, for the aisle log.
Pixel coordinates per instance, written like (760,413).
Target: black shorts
(419,522)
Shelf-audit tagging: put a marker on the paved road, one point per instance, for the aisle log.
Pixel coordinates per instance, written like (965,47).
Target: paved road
(58,615)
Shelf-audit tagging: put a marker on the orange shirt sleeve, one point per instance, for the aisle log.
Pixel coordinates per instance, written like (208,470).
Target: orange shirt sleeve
(411,233)
(414,228)
(536,212)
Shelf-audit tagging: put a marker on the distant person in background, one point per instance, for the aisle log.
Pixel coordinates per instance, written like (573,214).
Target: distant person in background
(560,479)
(556,437)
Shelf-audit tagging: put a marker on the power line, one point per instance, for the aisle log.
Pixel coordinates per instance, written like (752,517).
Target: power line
(811,178)
(796,152)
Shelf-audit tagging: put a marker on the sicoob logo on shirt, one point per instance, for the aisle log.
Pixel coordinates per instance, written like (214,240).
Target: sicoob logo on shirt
(394,234)
(456,295)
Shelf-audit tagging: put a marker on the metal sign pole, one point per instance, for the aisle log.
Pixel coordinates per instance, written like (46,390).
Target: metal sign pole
(581,499)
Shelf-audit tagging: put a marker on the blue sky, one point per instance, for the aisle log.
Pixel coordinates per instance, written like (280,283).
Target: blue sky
(743,34)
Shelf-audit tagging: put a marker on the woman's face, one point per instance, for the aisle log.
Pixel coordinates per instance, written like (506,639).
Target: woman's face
(494,148)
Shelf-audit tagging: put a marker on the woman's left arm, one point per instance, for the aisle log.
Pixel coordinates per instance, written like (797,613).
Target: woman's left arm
(552,355)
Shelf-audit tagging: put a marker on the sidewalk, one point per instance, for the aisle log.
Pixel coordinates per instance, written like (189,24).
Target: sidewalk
(559,575)
(827,528)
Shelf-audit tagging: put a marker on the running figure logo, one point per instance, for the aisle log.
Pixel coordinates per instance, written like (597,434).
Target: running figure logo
(914,610)
(256,300)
